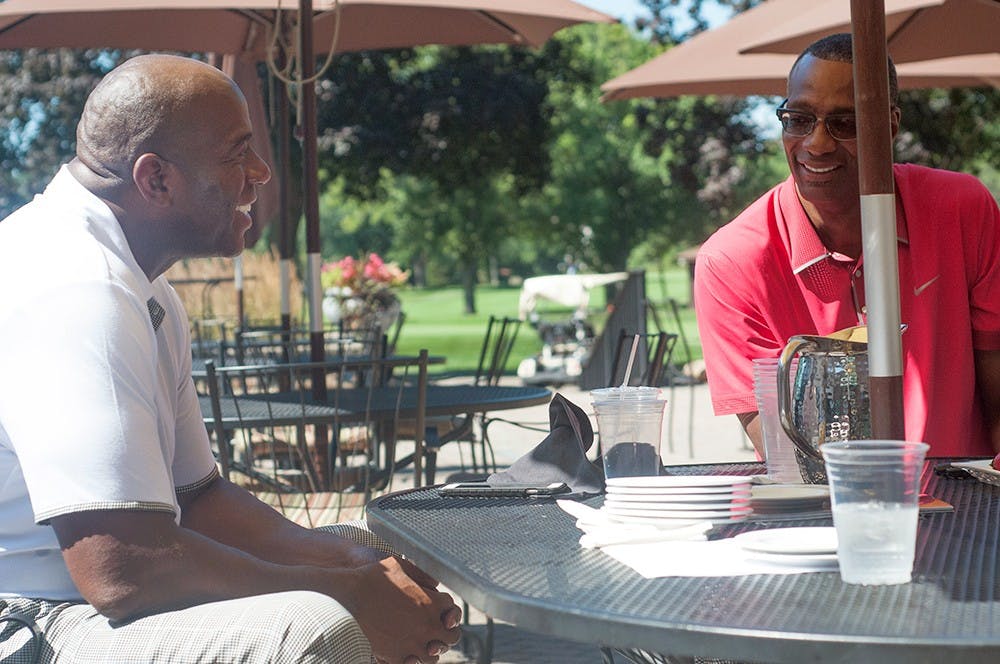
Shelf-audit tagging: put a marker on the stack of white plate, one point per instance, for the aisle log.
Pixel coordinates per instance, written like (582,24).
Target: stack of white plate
(790,498)
(715,498)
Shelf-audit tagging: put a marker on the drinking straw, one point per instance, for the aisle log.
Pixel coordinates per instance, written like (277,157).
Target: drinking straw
(631,359)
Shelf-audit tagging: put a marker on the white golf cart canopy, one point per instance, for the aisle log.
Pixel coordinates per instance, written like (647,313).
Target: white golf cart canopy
(571,290)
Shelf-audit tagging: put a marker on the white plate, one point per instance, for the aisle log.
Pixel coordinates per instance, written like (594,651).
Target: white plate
(982,470)
(790,541)
(821,560)
(788,508)
(674,481)
(707,499)
(673,491)
(679,514)
(789,492)
(671,506)
(644,520)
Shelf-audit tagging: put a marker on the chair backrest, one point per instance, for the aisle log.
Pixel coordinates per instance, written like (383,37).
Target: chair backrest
(272,344)
(653,357)
(288,432)
(208,338)
(501,333)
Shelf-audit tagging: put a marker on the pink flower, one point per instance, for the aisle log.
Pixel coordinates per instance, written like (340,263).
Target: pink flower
(367,277)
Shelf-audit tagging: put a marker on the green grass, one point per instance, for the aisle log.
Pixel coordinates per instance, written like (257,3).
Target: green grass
(435,320)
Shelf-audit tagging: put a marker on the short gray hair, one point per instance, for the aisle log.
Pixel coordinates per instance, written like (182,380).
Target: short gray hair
(838,48)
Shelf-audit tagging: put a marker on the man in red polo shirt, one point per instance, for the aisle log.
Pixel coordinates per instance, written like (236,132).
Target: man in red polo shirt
(791,264)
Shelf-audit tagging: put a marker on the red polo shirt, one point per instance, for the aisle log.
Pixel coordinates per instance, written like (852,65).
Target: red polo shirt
(766,277)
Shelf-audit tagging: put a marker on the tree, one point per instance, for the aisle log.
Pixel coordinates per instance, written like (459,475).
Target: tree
(470,122)
(42,95)
(954,129)
(640,171)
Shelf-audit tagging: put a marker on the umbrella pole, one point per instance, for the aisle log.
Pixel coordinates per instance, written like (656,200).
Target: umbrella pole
(286,234)
(310,192)
(310,186)
(878,218)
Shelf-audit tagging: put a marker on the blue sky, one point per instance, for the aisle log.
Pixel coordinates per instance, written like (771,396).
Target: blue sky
(627,9)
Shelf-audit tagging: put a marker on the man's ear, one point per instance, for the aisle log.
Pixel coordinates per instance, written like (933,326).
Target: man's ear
(894,116)
(153,177)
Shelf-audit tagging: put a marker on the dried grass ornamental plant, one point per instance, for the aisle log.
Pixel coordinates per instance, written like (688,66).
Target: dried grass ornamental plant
(360,292)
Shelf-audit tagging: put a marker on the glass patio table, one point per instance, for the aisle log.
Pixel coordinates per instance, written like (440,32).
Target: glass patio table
(519,560)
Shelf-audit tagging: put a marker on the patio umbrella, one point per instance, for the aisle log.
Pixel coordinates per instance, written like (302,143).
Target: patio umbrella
(251,27)
(916,29)
(711,63)
(245,26)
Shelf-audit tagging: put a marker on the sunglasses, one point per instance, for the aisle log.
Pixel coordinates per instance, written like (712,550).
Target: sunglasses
(840,126)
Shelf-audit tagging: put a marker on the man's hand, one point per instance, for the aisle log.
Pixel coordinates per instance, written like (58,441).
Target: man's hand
(405,619)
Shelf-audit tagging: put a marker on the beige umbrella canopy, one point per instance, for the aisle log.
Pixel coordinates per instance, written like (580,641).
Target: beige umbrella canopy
(246,26)
(711,63)
(914,29)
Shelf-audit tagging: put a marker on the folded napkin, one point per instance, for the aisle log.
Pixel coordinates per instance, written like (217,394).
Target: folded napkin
(672,548)
(561,456)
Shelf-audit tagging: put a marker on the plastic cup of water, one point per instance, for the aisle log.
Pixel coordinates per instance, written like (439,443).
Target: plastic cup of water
(629,424)
(779,450)
(875,490)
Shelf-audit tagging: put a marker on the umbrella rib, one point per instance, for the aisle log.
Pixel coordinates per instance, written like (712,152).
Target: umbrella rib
(17,23)
(515,35)
(902,26)
(255,16)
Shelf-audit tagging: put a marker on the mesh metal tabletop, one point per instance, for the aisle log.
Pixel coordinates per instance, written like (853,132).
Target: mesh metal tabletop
(365,404)
(519,560)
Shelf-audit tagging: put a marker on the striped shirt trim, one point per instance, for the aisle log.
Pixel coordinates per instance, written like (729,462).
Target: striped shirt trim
(43,518)
(810,263)
(200,484)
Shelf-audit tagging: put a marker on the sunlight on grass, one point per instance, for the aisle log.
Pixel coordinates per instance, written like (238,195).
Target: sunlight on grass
(435,318)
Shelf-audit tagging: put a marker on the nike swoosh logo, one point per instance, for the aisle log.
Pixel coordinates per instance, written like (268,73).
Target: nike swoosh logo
(921,288)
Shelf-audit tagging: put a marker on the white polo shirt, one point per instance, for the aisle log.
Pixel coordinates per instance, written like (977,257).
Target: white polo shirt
(97,408)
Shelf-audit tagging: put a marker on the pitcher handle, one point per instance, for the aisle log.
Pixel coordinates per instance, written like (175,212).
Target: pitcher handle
(794,345)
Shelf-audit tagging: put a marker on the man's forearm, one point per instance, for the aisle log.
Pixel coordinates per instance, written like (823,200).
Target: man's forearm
(129,564)
(231,515)
(752,426)
(988,380)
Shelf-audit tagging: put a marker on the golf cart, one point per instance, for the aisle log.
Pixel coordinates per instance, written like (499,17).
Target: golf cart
(566,342)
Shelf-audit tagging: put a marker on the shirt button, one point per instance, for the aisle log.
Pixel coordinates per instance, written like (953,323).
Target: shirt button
(864,309)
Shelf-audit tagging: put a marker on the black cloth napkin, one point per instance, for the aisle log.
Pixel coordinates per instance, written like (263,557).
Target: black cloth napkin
(561,456)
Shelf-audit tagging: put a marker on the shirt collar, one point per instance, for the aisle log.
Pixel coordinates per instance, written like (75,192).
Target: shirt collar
(805,247)
(66,191)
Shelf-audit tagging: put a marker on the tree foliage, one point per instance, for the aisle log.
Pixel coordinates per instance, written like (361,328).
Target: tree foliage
(41,94)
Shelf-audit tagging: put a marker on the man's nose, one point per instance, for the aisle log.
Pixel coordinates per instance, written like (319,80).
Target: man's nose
(258,172)
(819,140)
